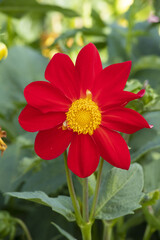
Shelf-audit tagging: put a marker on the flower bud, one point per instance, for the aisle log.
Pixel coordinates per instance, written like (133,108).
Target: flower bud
(3,51)
(3,146)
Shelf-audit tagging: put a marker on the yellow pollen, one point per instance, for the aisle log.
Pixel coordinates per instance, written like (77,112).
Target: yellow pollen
(83,116)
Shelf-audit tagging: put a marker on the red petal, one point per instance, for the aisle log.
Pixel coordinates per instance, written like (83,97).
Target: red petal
(83,157)
(111,80)
(124,120)
(61,72)
(33,120)
(46,97)
(112,147)
(121,99)
(125,97)
(88,65)
(51,143)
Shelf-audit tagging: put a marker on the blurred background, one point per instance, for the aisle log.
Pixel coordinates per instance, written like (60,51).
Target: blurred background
(33,31)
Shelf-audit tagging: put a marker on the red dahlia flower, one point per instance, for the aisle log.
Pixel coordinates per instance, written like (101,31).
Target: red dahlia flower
(82,106)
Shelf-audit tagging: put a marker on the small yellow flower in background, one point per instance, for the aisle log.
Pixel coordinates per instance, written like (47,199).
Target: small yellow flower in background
(3,146)
(3,51)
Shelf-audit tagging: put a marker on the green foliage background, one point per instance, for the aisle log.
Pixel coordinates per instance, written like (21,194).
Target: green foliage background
(33,31)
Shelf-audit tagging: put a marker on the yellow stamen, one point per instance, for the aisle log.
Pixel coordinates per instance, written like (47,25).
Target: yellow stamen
(88,94)
(83,116)
(64,126)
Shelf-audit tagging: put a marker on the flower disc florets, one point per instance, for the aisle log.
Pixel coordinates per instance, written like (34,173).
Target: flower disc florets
(83,116)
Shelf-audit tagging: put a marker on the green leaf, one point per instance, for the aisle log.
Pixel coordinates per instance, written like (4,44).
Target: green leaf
(22,66)
(156,4)
(140,142)
(151,198)
(150,164)
(85,31)
(60,204)
(35,175)
(7,224)
(120,192)
(29,27)
(63,232)
(17,8)
(97,19)
(91,184)
(147,62)
(149,47)
(49,172)
(133,86)
(155,144)
(78,183)
(9,170)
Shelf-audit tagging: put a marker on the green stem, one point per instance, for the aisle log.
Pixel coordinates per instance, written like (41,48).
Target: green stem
(10,31)
(96,190)
(72,192)
(86,231)
(148,232)
(85,199)
(120,229)
(107,232)
(24,227)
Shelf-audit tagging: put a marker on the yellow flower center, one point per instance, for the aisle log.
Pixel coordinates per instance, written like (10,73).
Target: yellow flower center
(83,116)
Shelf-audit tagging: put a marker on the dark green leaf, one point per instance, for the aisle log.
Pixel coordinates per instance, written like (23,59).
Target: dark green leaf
(85,31)
(140,142)
(35,174)
(156,4)
(97,19)
(49,178)
(17,8)
(63,232)
(117,45)
(9,170)
(152,145)
(150,164)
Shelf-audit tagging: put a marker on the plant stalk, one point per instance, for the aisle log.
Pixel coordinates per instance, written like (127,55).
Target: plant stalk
(107,232)
(85,199)
(148,232)
(24,227)
(86,231)
(72,192)
(95,199)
